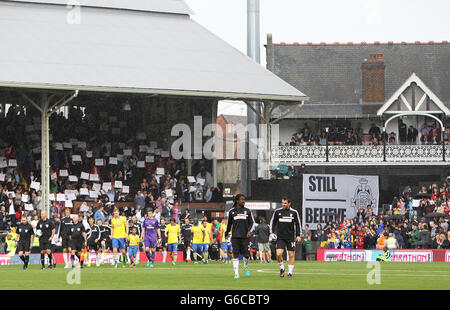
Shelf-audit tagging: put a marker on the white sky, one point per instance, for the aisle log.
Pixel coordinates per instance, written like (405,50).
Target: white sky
(325,21)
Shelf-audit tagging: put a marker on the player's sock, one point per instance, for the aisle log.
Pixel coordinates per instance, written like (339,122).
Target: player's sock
(72,259)
(147,253)
(50,260)
(291,268)
(65,259)
(225,255)
(153,256)
(27,259)
(43,260)
(115,257)
(281,265)
(137,257)
(236,265)
(246,259)
(164,253)
(175,257)
(188,255)
(99,258)
(22,258)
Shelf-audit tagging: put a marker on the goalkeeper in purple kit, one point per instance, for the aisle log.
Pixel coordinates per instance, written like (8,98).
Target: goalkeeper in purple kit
(151,234)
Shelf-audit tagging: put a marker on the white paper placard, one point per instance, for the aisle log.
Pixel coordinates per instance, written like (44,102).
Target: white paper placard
(89,154)
(168,192)
(93,177)
(141,136)
(71,196)
(117,184)
(51,197)
(73,178)
(84,191)
(84,207)
(106,186)
(96,187)
(67,145)
(141,164)
(63,173)
(25,198)
(160,171)
(153,144)
(192,189)
(125,189)
(157,152)
(113,160)
(149,159)
(150,150)
(58,146)
(3,164)
(157,177)
(2,177)
(35,185)
(60,197)
(99,162)
(81,145)
(36,150)
(12,163)
(119,157)
(84,176)
(29,207)
(93,194)
(201,181)
(191,179)
(127,152)
(142,149)
(68,204)
(165,154)
(53,176)
(76,158)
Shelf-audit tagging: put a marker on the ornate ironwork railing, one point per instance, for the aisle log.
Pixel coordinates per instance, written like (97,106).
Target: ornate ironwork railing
(360,154)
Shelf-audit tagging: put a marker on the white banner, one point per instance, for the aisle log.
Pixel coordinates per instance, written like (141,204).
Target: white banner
(338,194)
(423,256)
(348,256)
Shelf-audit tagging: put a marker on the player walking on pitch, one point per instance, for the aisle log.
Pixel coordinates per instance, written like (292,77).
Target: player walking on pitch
(119,236)
(150,234)
(26,235)
(241,222)
(285,223)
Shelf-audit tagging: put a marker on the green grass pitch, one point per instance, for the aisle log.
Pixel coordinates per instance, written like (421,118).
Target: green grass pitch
(309,275)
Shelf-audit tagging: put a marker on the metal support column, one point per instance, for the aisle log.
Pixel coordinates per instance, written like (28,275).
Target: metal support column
(443,143)
(214,161)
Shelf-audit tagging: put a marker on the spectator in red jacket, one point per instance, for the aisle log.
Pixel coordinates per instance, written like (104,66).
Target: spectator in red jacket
(359,244)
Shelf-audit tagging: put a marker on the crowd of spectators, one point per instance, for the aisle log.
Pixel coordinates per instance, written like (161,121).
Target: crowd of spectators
(95,158)
(415,220)
(429,134)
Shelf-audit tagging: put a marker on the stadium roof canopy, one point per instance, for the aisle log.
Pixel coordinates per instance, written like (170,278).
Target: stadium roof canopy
(129,46)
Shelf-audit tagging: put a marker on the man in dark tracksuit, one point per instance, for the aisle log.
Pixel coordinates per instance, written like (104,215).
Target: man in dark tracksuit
(285,223)
(241,224)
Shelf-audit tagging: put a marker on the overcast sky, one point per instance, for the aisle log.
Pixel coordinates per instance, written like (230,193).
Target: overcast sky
(326,21)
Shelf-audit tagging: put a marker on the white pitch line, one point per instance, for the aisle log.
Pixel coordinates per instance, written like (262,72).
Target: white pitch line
(352,274)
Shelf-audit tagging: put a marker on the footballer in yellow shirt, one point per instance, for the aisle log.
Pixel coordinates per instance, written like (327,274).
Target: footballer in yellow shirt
(119,235)
(174,237)
(197,240)
(207,239)
(225,245)
(133,240)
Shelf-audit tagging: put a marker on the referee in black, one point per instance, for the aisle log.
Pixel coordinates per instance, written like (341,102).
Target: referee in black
(45,230)
(240,222)
(285,223)
(77,241)
(66,223)
(186,235)
(26,235)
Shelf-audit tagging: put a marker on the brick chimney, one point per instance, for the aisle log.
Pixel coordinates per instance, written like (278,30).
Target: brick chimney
(373,79)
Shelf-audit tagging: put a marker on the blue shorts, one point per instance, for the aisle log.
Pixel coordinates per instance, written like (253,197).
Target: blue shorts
(132,250)
(225,246)
(119,243)
(205,247)
(197,247)
(172,247)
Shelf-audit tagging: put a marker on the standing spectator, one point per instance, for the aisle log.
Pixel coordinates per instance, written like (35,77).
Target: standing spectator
(402,131)
(176,212)
(262,232)
(412,134)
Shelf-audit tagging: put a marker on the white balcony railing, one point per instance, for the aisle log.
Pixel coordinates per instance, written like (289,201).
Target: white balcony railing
(360,154)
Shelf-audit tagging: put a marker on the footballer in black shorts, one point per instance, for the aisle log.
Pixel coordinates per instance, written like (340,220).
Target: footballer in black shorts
(77,240)
(66,223)
(45,230)
(26,235)
(285,223)
(241,223)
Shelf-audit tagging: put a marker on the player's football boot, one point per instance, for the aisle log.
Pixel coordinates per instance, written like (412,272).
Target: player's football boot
(236,276)
(289,275)
(147,265)
(282,273)
(151,265)
(50,266)
(247,272)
